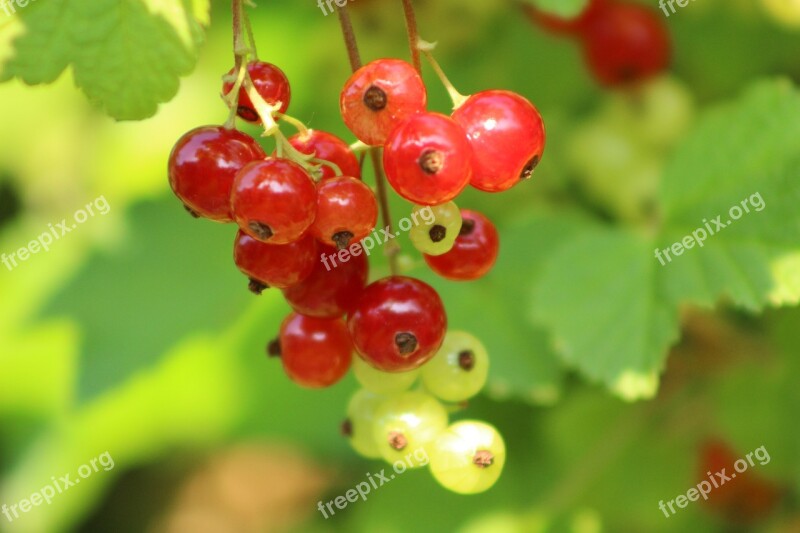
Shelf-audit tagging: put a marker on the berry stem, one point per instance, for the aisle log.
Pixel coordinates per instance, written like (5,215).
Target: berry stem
(427,49)
(349,39)
(413,34)
(392,248)
(238,64)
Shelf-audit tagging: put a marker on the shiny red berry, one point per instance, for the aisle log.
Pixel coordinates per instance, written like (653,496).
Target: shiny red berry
(274,200)
(379,96)
(316,352)
(507,137)
(328,147)
(202,166)
(428,159)
(330,291)
(626,43)
(270,83)
(274,265)
(474,253)
(398,324)
(346,211)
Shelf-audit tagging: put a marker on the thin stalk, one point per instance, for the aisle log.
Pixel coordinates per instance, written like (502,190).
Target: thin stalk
(427,49)
(413,34)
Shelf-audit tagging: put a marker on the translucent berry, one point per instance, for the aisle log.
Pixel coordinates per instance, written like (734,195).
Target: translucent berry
(459,370)
(436,228)
(381,382)
(274,265)
(626,43)
(359,426)
(316,352)
(329,292)
(406,425)
(346,211)
(274,200)
(428,159)
(507,137)
(398,324)
(202,167)
(474,253)
(327,147)
(270,83)
(468,457)
(379,96)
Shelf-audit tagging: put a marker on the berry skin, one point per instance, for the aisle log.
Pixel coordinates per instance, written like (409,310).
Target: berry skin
(316,352)
(436,233)
(328,147)
(474,253)
(459,370)
(202,167)
(346,211)
(507,137)
(270,82)
(428,159)
(379,96)
(626,43)
(406,424)
(380,382)
(329,293)
(274,265)
(468,457)
(360,422)
(398,324)
(274,200)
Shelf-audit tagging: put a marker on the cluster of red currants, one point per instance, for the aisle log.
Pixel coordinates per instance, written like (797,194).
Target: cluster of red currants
(622,42)
(307,201)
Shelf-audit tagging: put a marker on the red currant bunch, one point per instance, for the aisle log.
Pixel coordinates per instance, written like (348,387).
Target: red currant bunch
(306,225)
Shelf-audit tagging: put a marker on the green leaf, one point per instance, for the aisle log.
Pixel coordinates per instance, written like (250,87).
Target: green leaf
(741,162)
(600,298)
(126,55)
(560,8)
(610,304)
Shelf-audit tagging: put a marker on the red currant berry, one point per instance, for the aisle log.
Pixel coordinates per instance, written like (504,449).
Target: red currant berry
(626,43)
(327,147)
(202,166)
(316,352)
(274,200)
(398,324)
(428,159)
(565,26)
(346,211)
(507,136)
(270,83)
(330,291)
(379,96)
(274,265)
(474,253)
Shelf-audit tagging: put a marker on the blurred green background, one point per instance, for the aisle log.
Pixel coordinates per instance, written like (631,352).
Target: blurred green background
(135,334)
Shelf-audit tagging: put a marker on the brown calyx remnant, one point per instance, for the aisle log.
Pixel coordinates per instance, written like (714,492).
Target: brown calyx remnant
(483,459)
(375,98)
(397,440)
(406,343)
